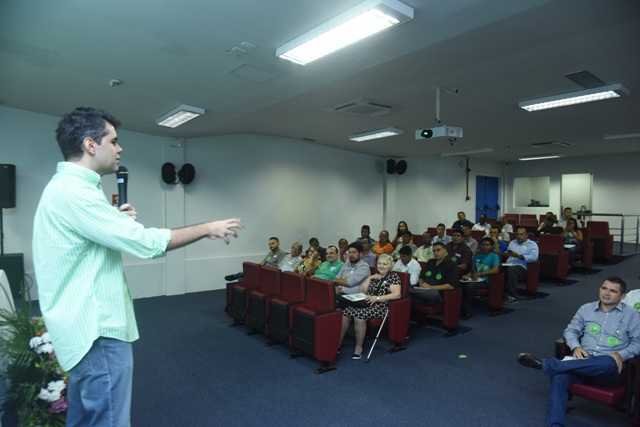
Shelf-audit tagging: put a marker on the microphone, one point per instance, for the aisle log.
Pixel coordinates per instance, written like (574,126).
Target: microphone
(123,178)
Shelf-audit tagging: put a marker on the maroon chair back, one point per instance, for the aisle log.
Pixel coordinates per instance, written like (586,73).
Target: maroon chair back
(528,217)
(433,231)
(550,244)
(320,295)
(251,274)
(293,287)
(417,239)
(599,229)
(478,234)
(512,217)
(270,283)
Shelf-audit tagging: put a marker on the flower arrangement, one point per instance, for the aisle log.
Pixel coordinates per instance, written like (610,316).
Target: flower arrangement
(38,384)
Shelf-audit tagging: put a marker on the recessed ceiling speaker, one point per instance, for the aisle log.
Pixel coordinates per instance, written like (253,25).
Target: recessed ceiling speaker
(169,173)
(401,167)
(187,173)
(7,186)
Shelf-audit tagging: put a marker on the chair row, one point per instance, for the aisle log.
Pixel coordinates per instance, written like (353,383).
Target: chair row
(301,312)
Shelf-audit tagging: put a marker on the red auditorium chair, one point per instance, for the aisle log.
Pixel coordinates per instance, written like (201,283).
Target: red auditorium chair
(554,259)
(317,325)
(449,310)
(238,293)
(512,219)
(494,292)
(270,287)
(397,323)
(528,217)
(529,224)
(602,240)
(478,234)
(280,308)
(586,257)
(624,396)
(533,278)
(417,240)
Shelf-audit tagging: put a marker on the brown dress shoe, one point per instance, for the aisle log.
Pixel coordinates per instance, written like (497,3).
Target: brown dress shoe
(529,361)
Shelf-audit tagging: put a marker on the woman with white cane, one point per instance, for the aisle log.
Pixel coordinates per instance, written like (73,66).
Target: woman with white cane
(379,288)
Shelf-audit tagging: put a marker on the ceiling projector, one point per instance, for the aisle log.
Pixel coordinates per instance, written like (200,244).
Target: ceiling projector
(439,132)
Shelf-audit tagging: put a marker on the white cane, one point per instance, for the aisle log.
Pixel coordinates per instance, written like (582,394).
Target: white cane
(376,340)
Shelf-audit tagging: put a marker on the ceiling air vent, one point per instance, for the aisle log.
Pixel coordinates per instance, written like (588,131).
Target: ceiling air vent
(364,107)
(551,144)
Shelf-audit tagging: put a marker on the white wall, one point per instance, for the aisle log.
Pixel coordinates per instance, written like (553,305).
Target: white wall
(279,187)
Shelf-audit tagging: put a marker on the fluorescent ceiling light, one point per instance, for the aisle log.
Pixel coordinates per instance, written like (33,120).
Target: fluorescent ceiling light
(464,153)
(375,134)
(179,115)
(357,23)
(622,136)
(579,97)
(541,157)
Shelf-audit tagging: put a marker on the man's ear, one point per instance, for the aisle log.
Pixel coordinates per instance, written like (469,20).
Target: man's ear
(89,145)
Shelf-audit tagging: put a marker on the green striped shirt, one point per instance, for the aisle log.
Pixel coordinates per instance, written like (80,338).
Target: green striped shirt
(78,238)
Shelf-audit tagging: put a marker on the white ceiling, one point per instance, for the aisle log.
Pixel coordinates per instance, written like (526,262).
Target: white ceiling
(56,55)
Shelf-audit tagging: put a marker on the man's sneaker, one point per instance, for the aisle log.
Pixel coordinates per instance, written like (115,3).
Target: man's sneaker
(510,300)
(529,361)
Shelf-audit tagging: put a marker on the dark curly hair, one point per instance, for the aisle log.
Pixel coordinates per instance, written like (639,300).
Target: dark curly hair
(79,124)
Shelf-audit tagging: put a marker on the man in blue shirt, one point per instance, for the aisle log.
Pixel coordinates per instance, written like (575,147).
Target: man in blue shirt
(520,252)
(601,335)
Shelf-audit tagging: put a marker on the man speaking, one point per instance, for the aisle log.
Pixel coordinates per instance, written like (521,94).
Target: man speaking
(78,240)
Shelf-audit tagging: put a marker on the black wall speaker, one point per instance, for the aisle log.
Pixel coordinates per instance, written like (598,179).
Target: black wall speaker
(396,167)
(13,266)
(7,186)
(391,166)
(401,167)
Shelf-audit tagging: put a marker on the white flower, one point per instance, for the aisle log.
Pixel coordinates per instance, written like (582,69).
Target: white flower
(45,348)
(46,337)
(56,386)
(53,391)
(35,342)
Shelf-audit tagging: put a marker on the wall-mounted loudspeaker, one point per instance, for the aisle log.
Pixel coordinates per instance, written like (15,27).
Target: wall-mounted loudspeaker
(396,167)
(185,175)
(7,186)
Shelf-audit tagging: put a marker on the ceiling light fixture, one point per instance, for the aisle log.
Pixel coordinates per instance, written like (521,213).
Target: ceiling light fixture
(467,152)
(572,98)
(375,134)
(541,156)
(357,23)
(179,115)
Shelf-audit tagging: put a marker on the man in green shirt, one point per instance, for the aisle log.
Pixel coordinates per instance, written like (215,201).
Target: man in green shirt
(329,269)
(78,240)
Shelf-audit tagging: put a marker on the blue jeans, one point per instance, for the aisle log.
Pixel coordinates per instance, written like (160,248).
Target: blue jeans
(100,386)
(596,370)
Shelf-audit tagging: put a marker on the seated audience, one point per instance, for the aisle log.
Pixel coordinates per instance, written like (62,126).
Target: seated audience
(499,245)
(275,254)
(547,225)
(402,228)
(567,214)
(273,259)
(353,273)
(309,265)
(438,274)
(485,263)
(316,245)
(441,236)
(379,288)
(407,264)
(482,225)
(520,252)
(503,235)
(462,220)
(459,253)
(571,235)
(506,227)
(291,261)
(368,256)
(405,241)
(602,335)
(329,269)
(365,231)
(469,239)
(343,247)
(425,252)
(383,246)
